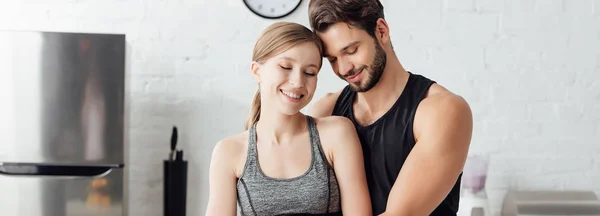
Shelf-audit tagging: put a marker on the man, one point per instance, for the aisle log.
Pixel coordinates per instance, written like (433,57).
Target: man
(415,133)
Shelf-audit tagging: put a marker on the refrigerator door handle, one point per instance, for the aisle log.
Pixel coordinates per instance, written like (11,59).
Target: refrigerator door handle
(57,170)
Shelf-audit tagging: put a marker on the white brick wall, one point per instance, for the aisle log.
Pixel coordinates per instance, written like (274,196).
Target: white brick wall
(529,68)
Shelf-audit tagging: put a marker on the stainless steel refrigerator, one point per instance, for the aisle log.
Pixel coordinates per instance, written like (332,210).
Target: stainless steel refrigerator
(62,143)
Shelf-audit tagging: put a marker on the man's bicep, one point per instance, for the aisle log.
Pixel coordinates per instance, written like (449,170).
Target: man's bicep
(432,167)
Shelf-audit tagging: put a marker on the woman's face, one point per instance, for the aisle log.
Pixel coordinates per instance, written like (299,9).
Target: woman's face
(288,80)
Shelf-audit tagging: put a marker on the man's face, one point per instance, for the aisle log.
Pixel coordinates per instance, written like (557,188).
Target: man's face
(355,56)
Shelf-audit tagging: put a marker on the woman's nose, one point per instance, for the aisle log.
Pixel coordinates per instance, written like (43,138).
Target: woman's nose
(296,79)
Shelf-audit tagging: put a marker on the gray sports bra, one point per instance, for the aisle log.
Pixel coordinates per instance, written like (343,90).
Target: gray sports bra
(315,192)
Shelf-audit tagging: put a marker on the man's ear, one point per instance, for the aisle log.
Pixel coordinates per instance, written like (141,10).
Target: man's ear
(382,31)
(255,66)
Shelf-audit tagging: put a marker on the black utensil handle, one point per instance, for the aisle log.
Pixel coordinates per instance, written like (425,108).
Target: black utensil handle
(175,187)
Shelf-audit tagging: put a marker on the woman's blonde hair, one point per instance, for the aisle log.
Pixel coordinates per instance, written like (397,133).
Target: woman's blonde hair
(275,39)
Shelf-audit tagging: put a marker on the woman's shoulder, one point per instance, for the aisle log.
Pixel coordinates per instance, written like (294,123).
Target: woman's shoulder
(232,144)
(337,134)
(335,131)
(333,124)
(231,150)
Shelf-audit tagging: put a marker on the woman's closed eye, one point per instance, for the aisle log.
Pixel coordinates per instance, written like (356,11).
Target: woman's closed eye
(310,74)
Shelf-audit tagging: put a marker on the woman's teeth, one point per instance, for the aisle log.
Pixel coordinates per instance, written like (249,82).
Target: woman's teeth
(292,95)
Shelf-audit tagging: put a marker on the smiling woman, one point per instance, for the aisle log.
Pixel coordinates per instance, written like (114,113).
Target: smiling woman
(281,165)
(282,47)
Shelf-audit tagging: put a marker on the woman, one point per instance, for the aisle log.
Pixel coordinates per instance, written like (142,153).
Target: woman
(288,163)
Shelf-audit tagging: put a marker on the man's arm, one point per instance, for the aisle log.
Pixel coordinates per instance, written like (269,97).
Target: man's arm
(443,128)
(324,106)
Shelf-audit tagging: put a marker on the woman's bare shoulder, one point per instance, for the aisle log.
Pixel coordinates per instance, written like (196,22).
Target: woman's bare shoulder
(334,124)
(231,151)
(232,143)
(335,133)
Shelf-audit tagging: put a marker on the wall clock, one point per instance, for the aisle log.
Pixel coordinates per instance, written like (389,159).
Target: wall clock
(272,9)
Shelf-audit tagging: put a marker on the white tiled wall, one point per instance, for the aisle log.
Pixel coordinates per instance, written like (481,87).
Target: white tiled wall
(529,68)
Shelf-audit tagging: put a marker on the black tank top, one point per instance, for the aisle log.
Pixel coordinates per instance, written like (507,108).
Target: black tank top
(387,142)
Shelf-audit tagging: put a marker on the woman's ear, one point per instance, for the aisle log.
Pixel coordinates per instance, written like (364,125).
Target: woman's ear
(255,67)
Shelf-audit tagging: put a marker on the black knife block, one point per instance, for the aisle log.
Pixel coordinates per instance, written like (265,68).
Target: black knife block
(175,186)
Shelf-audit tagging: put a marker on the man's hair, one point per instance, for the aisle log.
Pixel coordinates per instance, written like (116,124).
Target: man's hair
(358,13)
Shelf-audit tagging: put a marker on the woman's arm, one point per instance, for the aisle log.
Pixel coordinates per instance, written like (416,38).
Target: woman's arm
(348,165)
(222,200)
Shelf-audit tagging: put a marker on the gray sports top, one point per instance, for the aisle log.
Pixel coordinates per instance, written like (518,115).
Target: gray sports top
(315,192)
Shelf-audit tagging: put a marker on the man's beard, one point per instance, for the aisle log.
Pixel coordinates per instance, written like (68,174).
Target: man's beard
(374,73)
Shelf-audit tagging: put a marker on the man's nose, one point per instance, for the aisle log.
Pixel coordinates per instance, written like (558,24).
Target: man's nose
(345,67)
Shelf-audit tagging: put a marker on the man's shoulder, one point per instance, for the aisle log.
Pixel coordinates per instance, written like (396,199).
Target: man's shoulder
(439,95)
(441,106)
(324,106)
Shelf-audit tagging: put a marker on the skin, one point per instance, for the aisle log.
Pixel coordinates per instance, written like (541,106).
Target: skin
(443,120)
(283,140)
